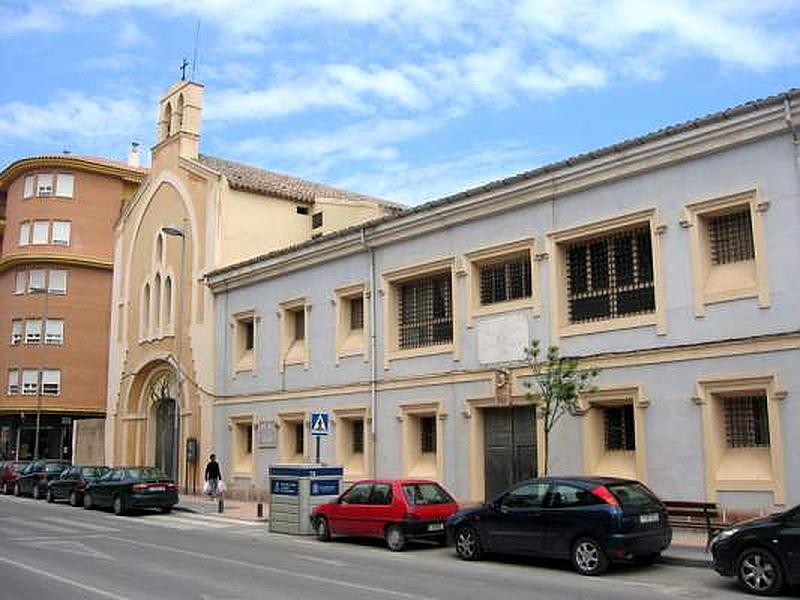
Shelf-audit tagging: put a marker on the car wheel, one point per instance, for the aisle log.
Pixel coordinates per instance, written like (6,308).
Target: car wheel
(118,506)
(588,557)
(759,572)
(88,504)
(395,538)
(35,493)
(73,499)
(468,543)
(49,496)
(323,529)
(5,488)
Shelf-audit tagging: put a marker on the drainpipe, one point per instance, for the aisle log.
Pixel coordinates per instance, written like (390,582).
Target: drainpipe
(373,354)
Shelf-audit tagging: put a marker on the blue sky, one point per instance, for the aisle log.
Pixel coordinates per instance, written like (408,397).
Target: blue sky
(407,100)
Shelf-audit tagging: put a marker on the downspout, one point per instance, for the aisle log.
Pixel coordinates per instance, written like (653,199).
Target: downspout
(373,354)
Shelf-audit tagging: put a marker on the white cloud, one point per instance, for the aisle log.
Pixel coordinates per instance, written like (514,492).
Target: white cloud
(35,19)
(131,35)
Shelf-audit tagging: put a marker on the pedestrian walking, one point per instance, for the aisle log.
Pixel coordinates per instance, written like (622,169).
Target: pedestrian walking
(213,476)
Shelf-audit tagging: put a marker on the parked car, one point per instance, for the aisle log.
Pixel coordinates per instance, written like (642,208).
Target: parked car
(394,510)
(126,488)
(764,554)
(72,483)
(9,474)
(590,520)
(33,479)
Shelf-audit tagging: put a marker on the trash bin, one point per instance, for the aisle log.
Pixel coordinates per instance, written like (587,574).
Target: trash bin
(295,489)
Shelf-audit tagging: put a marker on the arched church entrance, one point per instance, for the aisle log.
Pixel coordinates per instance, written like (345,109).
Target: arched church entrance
(165,414)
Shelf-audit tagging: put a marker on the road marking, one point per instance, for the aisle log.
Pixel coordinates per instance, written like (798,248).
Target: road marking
(70,546)
(45,538)
(79,524)
(324,561)
(276,570)
(60,579)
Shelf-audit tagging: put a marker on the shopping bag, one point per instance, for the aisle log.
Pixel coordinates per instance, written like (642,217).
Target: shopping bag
(207,487)
(220,486)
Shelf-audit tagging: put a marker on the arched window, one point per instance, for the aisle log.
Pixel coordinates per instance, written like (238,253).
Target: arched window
(157,303)
(167,120)
(167,301)
(180,113)
(160,248)
(146,311)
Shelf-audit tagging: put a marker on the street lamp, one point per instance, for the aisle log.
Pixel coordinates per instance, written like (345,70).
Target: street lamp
(180,232)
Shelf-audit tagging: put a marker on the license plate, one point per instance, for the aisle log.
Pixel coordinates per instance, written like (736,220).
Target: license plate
(436,527)
(156,488)
(651,518)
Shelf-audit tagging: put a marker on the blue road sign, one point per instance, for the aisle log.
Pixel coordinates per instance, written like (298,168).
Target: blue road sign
(320,424)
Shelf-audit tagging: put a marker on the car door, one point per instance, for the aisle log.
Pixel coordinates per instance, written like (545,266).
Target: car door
(101,492)
(381,510)
(789,540)
(62,486)
(569,511)
(515,523)
(352,510)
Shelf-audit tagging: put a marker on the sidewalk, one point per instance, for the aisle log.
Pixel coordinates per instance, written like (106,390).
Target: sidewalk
(687,549)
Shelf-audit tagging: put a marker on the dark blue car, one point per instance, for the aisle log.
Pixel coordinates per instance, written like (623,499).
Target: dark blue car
(591,520)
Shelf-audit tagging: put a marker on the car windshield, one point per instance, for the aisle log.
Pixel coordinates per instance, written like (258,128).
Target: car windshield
(634,495)
(146,473)
(55,467)
(422,494)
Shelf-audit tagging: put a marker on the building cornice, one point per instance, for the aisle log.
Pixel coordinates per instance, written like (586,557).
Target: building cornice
(13,260)
(706,136)
(69,161)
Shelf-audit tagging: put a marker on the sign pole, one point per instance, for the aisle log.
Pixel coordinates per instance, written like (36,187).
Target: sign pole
(317,438)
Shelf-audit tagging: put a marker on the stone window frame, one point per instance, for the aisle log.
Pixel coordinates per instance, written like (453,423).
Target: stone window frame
(241,359)
(743,462)
(694,221)
(557,242)
(343,441)
(391,279)
(286,423)
(497,253)
(630,463)
(347,342)
(411,462)
(239,460)
(288,354)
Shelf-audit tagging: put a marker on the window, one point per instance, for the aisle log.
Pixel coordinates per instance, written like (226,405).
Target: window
(65,184)
(293,333)
(54,332)
(24,233)
(58,281)
(30,382)
(504,281)
(168,301)
(567,496)
(730,237)
(21,282)
(44,185)
(33,331)
(425,311)
(381,494)
(16,332)
(299,438)
(426,494)
(358,494)
(357,436)
(356,313)
(61,231)
(27,191)
(157,303)
(746,422)
(528,495)
(302,210)
(618,425)
(244,329)
(243,446)
(611,276)
(36,280)
(427,432)
(299,320)
(316,220)
(41,232)
(146,310)
(51,382)
(249,333)
(13,382)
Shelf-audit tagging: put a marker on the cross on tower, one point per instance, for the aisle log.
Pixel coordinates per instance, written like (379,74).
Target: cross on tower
(184,64)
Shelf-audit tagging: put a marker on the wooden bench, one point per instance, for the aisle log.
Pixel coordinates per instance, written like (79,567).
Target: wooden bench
(696,515)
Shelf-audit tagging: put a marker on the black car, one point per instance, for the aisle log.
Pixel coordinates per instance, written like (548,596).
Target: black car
(764,554)
(33,479)
(72,482)
(591,520)
(125,488)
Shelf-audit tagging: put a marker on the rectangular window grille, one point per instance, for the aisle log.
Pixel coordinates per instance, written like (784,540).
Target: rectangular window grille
(356,313)
(299,438)
(358,436)
(51,382)
(316,220)
(731,238)
(427,432)
(509,280)
(13,382)
(619,428)
(746,422)
(611,276)
(299,317)
(16,332)
(30,382)
(426,311)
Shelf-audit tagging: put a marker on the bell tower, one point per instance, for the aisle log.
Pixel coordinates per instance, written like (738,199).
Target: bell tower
(179,119)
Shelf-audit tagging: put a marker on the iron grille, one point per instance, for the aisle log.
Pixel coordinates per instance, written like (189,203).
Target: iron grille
(611,276)
(731,237)
(746,422)
(619,428)
(508,280)
(427,431)
(358,436)
(356,313)
(426,311)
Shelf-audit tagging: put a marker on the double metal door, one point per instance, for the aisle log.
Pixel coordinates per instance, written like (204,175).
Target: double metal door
(510,447)
(167,437)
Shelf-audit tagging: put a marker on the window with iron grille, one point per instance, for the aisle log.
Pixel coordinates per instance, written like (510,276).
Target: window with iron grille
(356,313)
(731,237)
(425,311)
(299,438)
(357,434)
(746,422)
(619,428)
(507,280)
(611,276)
(427,432)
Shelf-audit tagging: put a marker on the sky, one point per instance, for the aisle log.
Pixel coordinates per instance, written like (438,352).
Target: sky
(405,100)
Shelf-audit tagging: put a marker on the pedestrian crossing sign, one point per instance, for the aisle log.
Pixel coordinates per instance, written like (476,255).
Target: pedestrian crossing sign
(320,424)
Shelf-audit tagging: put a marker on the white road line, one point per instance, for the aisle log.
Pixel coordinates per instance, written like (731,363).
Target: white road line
(79,524)
(48,526)
(324,561)
(276,570)
(67,580)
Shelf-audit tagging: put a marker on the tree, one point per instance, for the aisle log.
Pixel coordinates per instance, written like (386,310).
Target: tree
(559,383)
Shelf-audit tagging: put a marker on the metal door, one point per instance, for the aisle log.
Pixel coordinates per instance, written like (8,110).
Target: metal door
(167,437)
(509,446)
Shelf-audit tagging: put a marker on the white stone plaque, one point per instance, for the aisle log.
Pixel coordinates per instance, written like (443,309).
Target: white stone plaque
(502,339)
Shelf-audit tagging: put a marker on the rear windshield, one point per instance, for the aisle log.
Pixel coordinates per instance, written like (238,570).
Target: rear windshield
(422,494)
(93,472)
(55,467)
(146,473)
(634,495)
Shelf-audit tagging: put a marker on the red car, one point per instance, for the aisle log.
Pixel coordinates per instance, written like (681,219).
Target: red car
(394,510)
(10,473)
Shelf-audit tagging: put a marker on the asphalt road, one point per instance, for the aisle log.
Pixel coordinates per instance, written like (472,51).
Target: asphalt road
(55,551)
